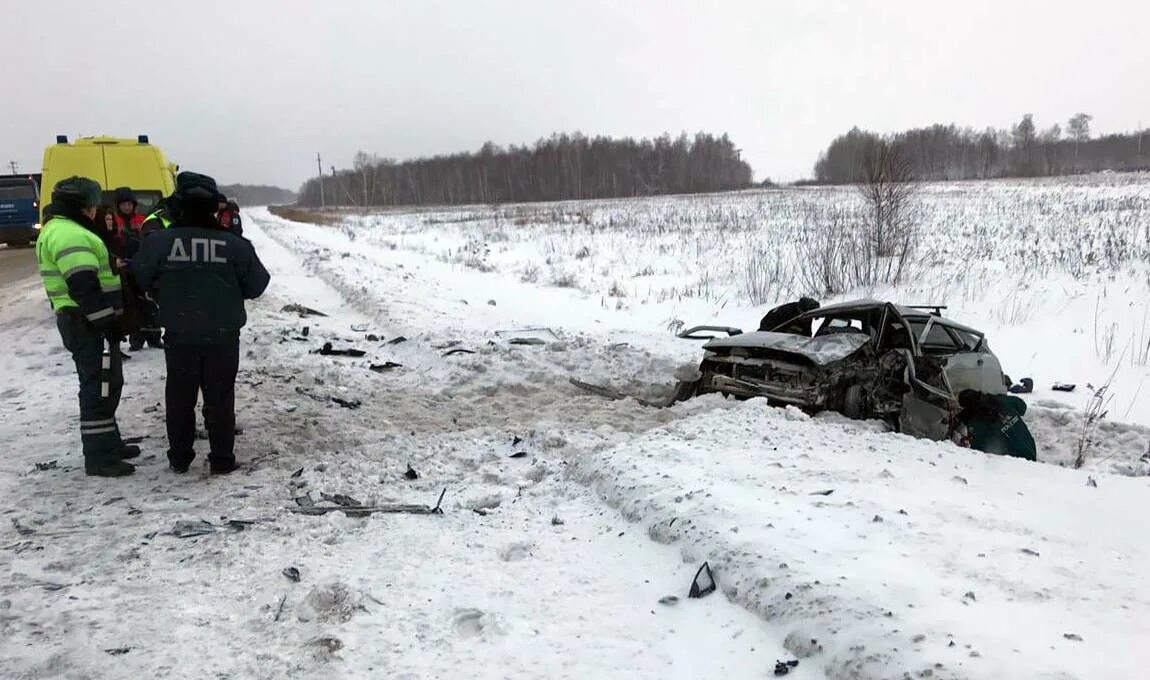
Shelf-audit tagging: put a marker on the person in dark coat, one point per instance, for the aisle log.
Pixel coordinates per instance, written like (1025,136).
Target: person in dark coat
(201,274)
(784,313)
(994,423)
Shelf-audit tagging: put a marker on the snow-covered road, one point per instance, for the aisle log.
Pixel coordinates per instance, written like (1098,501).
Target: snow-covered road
(526,574)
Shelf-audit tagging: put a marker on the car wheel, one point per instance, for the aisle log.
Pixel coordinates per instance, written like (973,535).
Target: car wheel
(855,403)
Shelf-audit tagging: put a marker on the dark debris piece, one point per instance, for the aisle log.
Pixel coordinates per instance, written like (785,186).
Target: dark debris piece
(396,341)
(518,454)
(118,651)
(458,351)
(50,465)
(348,403)
(292,574)
(189,528)
(328,351)
(784,667)
(297,473)
(1063,387)
(826,492)
(385,366)
(340,499)
(411,473)
(301,310)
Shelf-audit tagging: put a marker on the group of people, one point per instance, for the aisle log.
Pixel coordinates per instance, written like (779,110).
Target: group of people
(123,230)
(183,271)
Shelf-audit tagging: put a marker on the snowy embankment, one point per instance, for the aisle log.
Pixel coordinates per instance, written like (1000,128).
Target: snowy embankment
(924,559)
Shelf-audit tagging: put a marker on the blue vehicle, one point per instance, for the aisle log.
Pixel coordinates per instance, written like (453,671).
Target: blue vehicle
(19,209)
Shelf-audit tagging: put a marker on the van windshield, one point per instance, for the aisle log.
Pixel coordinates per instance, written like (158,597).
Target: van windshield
(145,200)
(17,191)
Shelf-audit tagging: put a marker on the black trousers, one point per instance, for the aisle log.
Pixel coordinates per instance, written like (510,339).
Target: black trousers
(145,327)
(210,369)
(100,370)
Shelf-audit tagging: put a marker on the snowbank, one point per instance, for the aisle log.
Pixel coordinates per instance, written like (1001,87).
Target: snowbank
(882,554)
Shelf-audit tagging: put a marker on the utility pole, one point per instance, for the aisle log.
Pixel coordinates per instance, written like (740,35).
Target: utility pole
(15,167)
(319,166)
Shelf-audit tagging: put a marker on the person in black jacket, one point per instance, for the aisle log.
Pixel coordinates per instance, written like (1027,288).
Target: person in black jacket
(200,275)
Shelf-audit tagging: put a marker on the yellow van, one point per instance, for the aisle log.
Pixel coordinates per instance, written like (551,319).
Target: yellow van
(113,162)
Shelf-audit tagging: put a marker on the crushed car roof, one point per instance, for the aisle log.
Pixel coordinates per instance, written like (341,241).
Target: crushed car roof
(868,303)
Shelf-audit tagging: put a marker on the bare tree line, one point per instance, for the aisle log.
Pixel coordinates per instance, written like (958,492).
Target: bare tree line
(258,194)
(947,152)
(561,167)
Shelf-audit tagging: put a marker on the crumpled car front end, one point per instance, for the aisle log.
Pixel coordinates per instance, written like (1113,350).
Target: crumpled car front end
(785,368)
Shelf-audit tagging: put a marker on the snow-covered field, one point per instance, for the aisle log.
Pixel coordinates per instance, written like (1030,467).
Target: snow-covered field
(924,560)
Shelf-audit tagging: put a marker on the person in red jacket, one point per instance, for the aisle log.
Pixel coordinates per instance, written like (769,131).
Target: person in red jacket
(141,310)
(228,213)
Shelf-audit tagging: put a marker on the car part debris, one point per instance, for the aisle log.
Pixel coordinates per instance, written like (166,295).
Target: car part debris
(328,351)
(297,473)
(339,499)
(384,367)
(301,310)
(458,351)
(825,492)
(523,331)
(693,333)
(292,574)
(556,521)
(118,651)
(348,403)
(1073,637)
(527,341)
(306,331)
(669,600)
(1063,387)
(365,510)
(1024,386)
(411,473)
(518,454)
(784,667)
(704,582)
(603,391)
(396,341)
(372,337)
(50,465)
(185,528)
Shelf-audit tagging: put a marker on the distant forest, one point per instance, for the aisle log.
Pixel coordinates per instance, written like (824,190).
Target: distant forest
(258,194)
(561,167)
(947,152)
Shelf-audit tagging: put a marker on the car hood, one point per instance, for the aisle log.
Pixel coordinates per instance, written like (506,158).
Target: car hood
(821,350)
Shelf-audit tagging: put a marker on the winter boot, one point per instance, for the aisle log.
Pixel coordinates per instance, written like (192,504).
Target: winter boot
(129,451)
(180,462)
(114,469)
(225,467)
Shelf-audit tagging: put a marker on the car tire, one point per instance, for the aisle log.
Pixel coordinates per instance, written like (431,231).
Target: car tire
(855,403)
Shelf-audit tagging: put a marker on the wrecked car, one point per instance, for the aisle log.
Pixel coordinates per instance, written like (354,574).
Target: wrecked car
(865,359)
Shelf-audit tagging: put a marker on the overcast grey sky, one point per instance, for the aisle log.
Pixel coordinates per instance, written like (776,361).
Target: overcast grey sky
(250,90)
